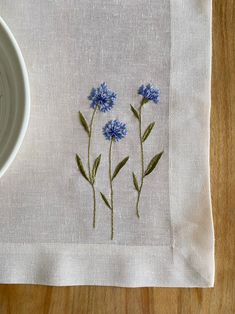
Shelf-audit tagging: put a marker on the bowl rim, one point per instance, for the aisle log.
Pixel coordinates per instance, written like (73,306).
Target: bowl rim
(25,120)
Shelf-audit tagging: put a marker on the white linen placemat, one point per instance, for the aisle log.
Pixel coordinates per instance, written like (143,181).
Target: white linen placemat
(101,192)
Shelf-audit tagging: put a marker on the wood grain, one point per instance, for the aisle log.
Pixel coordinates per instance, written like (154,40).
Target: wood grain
(24,299)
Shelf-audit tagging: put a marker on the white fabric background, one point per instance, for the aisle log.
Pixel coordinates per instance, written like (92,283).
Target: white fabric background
(70,46)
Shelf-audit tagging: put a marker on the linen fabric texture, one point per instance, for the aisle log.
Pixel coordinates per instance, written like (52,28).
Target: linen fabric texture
(46,205)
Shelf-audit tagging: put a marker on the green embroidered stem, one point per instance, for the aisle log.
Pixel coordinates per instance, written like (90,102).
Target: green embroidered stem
(142,159)
(109,202)
(153,162)
(94,205)
(89,165)
(111,189)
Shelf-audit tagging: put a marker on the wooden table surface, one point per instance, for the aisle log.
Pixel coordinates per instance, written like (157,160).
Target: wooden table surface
(27,299)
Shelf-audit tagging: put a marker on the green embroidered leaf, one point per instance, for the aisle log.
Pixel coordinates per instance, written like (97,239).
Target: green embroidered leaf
(95,167)
(81,168)
(119,167)
(135,181)
(136,114)
(105,200)
(153,163)
(84,122)
(147,131)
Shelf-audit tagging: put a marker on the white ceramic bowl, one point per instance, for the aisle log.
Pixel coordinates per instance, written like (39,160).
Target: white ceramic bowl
(14,97)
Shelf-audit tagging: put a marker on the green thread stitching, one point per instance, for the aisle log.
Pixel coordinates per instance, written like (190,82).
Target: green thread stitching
(111,189)
(91,172)
(142,159)
(112,176)
(89,165)
(153,162)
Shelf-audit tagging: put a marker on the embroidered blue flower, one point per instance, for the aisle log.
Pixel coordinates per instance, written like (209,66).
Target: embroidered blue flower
(115,130)
(149,92)
(102,97)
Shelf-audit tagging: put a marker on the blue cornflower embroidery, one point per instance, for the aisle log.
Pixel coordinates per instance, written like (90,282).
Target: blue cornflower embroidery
(149,92)
(102,97)
(115,130)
